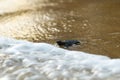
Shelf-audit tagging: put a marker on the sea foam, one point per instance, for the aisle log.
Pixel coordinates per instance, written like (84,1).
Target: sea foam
(23,60)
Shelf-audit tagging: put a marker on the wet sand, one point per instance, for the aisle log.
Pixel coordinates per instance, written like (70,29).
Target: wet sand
(96,23)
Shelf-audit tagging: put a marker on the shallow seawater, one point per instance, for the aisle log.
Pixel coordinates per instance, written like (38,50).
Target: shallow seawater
(95,23)
(23,60)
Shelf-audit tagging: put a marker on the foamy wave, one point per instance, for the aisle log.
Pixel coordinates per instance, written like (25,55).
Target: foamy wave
(23,60)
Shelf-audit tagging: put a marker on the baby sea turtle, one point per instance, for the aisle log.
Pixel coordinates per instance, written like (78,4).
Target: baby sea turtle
(67,43)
